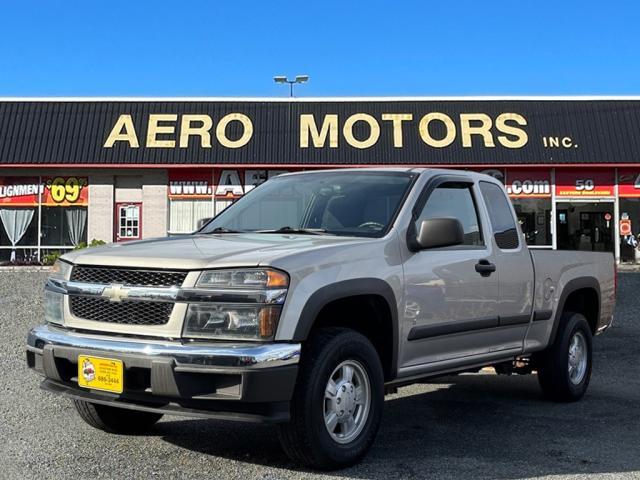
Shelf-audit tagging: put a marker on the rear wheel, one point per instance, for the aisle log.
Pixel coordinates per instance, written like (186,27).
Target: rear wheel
(564,369)
(337,404)
(116,420)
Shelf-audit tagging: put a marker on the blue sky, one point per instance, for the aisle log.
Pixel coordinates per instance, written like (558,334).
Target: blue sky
(234,48)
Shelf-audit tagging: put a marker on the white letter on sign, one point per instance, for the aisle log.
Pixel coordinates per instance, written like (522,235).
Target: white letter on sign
(450,127)
(187,129)
(374,130)
(329,129)
(397,119)
(229,183)
(221,130)
(117,135)
(154,130)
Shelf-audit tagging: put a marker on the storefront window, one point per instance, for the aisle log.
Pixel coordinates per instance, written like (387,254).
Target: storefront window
(197,194)
(629,221)
(64,226)
(19,229)
(629,230)
(184,215)
(534,216)
(530,192)
(38,214)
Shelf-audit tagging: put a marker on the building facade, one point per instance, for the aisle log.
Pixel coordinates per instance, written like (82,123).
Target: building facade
(73,170)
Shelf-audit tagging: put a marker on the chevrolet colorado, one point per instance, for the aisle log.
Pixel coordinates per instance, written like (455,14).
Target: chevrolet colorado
(310,298)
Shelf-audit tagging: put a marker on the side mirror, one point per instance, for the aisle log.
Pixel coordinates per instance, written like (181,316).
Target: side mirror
(440,232)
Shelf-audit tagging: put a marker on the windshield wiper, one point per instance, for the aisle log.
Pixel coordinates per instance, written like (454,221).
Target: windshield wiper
(301,231)
(223,230)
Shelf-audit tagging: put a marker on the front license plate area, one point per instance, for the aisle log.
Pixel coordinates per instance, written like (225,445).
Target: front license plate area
(97,373)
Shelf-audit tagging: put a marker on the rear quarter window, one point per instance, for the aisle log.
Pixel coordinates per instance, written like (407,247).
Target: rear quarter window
(504,227)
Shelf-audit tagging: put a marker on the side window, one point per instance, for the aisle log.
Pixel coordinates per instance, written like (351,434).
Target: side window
(454,200)
(502,222)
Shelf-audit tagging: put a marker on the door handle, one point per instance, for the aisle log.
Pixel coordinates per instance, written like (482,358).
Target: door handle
(485,267)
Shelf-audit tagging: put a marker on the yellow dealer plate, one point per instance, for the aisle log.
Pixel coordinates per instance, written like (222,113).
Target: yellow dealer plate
(98,373)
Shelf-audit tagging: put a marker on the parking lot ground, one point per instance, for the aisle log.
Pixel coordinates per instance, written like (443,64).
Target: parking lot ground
(471,426)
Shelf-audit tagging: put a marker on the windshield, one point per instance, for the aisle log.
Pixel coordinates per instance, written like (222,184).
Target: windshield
(339,203)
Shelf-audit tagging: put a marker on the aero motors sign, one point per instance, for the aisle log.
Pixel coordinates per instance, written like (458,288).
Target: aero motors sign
(435,129)
(584,183)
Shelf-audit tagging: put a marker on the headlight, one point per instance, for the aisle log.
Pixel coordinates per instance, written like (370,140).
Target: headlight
(61,270)
(54,300)
(249,278)
(237,304)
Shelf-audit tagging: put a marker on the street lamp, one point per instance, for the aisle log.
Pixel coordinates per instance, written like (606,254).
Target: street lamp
(298,79)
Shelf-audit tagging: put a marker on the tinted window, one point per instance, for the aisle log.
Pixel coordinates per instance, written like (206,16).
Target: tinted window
(454,200)
(502,222)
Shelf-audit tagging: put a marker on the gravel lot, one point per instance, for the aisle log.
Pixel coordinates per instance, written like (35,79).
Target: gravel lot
(470,426)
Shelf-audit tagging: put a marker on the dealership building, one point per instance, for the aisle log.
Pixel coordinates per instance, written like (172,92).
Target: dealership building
(77,169)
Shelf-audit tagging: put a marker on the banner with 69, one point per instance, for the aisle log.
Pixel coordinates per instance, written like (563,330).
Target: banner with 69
(49,191)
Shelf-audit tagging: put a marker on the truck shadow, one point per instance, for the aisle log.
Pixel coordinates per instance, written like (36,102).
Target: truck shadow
(468,426)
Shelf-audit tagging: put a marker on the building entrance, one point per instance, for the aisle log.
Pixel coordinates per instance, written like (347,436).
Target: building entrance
(585,226)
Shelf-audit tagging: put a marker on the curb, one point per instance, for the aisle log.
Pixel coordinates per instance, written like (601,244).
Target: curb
(25,268)
(628,268)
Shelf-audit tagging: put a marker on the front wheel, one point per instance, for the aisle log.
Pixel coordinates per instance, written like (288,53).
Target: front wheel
(337,404)
(116,420)
(564,369)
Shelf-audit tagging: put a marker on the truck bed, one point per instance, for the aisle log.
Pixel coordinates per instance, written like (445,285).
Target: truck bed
(557,275)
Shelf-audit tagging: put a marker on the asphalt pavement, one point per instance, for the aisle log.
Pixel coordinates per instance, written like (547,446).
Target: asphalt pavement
(471,426)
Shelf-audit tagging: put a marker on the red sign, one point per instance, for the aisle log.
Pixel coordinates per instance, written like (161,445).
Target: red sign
(625,227)
(53,191)
(628,182)
(584,183)
(528,183)
(20,191)
(190,184)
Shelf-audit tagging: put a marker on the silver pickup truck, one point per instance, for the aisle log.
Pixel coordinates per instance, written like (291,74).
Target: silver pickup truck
(311,297)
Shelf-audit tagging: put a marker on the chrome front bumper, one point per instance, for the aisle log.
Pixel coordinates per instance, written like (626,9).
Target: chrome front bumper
(173,376)
(255,355)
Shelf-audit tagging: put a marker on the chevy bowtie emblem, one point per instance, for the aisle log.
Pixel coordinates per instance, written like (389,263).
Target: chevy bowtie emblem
(115,293)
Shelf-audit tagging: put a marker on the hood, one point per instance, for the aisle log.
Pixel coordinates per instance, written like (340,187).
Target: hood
(193,252)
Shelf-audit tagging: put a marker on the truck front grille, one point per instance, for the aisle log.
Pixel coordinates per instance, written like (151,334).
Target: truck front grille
(126,312)
(128,276)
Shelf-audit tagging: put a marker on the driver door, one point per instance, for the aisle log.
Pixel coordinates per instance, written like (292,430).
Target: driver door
(451,309)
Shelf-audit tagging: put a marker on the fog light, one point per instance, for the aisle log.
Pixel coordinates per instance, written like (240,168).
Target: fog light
(221,320)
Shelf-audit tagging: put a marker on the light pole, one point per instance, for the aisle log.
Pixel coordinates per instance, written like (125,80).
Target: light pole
(298,79)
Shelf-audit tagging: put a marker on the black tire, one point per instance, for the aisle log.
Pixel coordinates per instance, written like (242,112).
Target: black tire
(553,363)
(306,438)
(116,420)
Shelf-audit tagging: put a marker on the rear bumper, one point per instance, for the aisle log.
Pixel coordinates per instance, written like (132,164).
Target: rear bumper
(252,382)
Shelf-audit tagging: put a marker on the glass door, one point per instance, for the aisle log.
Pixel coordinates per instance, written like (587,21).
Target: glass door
(585,226)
